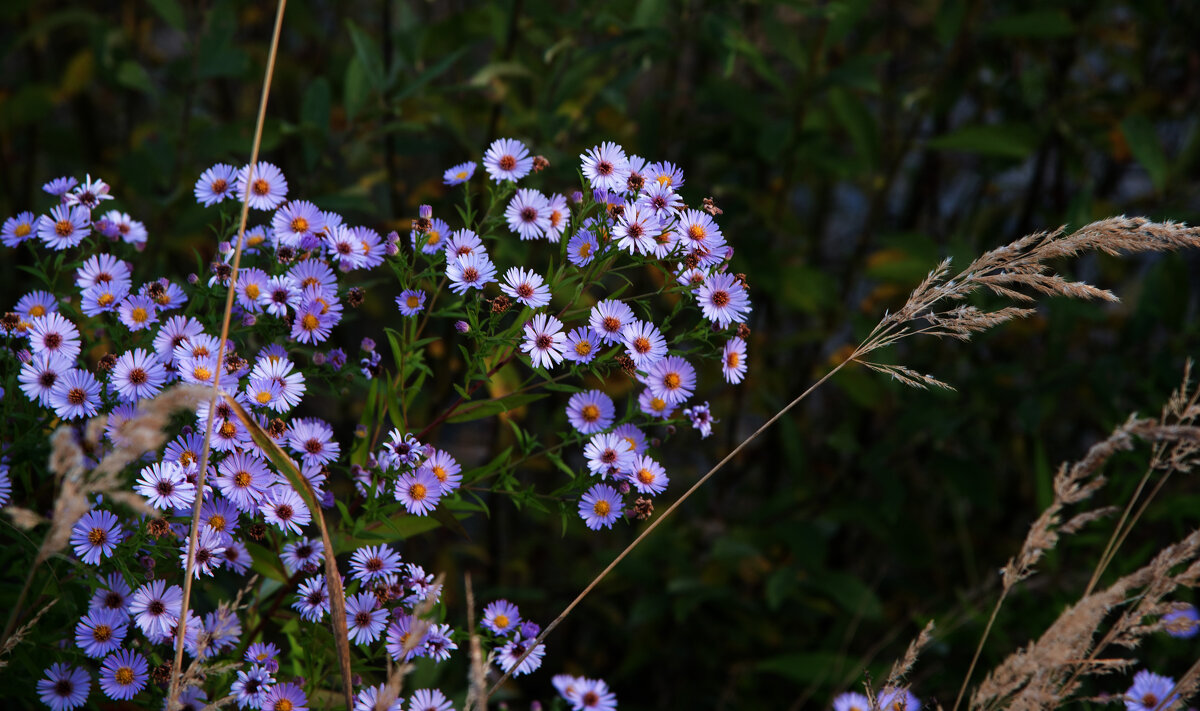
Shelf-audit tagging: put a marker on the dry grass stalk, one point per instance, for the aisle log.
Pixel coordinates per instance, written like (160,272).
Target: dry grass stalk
(181,631)
(16,637)
(477,691)
(1049,670)
(1006,271)
(416,634)
(905,664)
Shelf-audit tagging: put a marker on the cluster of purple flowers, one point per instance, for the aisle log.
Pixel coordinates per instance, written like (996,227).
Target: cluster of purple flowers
(288,289)
(585,694)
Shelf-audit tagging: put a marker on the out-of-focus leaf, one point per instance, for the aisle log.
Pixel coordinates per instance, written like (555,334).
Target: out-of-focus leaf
(132,75)
(1145,146)
(854,116)
(1002,140)
(171,12)
(357,88)
(805,667)
(1036,24)
(848,592)
(431,73)
(494,407)
(368,56)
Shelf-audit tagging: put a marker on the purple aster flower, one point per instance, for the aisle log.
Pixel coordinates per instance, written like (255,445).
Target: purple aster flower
(581,345)
(401,643)
(297,221)
(130,231)
(171,297)
(559,216)
(372,563)
(343,247)
(701,417)
(138,312)
(608,453)
(1183,623)
(282,293)
(460,173)
(851,701)
(103,298)
(368,700)
(337,358)
(723,299)
(636,230)
(215,184)
(633,436)
(219,515)
(661,199)
(35,304)
(111,595)
(462,243)
(156,607)
(365,620)
(281,506)
(89,194)
(305,554)
(665,173)
(507,159)
(137,375)
(501,617)
(53,333)
(123,674)
(76,393)
(472,271)
(647,475)
(526,287)
(590,412)
(419,491)
(40,373)
(644,343)
(699,234)
(568,687)
(1150,692)
(60,186)
(544,341)
(733,360)
(312,599)
(18,229)
(268,187)
(444,468)
(310,326)
(5,481)
(64,687)
(401,451)
(101,632)
(692,278)
(410,302)
(528,214)
(429,700)
(65,227)
(432,241)
(582,248)
(103,269)
(96,536)
(251,687)
(600,506)
(673,379)
(285,697)
(508,655)
(174,332)
(897,700)
(315,273)
(462,326)
(280,370)
(165,486)
(606,166)
(210,550)
(251,283)
(263,654)
(237,557)
(370,249)
(609,318)
(438,643)
(594,695)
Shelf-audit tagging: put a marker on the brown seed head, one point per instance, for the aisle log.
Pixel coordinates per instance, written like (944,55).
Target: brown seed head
(626,364)
(711,207)
(355,296)
(107,362)
(500,304)
(643,508)
(159,527)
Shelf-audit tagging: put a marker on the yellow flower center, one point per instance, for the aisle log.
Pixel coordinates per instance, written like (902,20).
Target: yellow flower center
(64,228)
(23,230)
(102,633)
(658,404)
(664,180)
(417,492)
(310,322)
(139,315)
(255,240)
(242,479)
(671,381)
(97,536)
(601,508)
(461,175)
(106,299)
(645,476)
(252,291)
(733,359)
(217,522)
(263,397)
(500,621)
(228,429)
(440,472)
(583,348)
(261,187)
(590,413)
(201,373)
(37,310)
(585,249)
(434,237)
(696,232)
(283,705)
(124,676)
(413,302)
(299,224)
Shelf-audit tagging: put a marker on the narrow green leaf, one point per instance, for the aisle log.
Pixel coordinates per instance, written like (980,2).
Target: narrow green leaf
(1002,140)
(488,408)
(171,12)
(1145,146)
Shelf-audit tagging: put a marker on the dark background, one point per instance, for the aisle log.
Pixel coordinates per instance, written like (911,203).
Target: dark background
(851,145)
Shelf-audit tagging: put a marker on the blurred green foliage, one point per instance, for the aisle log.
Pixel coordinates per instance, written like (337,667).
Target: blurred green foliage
(851,145)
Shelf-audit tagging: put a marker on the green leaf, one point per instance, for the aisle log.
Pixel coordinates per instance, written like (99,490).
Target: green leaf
(854,116)
(805,667)
(368,55)
(488,408)
(357,88)
(1145,146)
(265,562)
(431,73)
(315,109)
(1001,140)
(132,75)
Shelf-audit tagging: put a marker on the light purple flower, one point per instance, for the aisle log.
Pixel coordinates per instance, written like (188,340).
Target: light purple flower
(507,159)
(544,341)
(600,507)
(96,536)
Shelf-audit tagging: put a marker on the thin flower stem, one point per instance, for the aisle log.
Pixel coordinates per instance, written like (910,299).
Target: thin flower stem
(979,648)
(665,514)
(1119,531)
(181,628)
